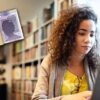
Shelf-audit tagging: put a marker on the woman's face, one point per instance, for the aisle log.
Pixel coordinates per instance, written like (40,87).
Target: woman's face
(85,37)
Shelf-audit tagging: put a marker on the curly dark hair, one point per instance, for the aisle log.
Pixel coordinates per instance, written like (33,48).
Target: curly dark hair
(62,39)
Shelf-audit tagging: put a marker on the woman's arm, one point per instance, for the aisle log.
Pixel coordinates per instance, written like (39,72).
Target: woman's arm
(42,86)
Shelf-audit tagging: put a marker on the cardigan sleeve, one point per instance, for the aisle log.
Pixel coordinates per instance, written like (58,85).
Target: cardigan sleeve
(42,86)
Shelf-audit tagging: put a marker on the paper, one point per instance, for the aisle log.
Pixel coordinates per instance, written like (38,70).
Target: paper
(10,27)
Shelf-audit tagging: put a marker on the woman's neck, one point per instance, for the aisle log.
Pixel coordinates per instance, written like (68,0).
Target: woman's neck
(75,61)
(76,58)
(75,65)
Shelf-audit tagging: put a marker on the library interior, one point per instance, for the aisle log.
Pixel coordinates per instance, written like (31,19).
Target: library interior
(20,60)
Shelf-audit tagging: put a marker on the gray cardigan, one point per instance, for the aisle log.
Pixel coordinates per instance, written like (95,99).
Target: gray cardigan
(51,77)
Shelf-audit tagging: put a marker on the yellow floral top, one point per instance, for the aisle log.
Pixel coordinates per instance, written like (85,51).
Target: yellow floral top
(73,84)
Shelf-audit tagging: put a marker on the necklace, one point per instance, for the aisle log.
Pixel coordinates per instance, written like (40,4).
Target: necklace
(77,85)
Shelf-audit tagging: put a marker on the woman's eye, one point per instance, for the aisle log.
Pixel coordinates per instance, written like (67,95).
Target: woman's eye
(92,35)
(82,33)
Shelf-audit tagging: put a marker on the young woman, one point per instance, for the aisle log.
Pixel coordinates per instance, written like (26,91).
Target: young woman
(68,71)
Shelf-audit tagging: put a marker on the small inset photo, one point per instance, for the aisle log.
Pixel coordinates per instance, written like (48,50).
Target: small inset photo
(10,27)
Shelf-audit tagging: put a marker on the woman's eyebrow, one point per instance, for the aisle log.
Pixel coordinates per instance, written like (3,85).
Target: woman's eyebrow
(85,30)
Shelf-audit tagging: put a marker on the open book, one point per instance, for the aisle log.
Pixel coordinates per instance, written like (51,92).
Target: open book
(10,27)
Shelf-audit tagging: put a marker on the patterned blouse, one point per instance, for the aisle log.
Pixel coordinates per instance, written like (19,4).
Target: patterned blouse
(73,84)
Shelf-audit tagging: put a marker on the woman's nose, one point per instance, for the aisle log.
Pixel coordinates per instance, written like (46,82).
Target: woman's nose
(87,39)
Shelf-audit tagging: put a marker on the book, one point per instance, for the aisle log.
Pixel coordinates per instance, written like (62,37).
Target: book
(10,27)
(35,24)
(47,14)
(44,33)
(36,36)
(2,55)
(44,49)
(28,71)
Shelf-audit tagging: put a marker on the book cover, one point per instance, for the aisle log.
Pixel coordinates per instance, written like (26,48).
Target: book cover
(10,27)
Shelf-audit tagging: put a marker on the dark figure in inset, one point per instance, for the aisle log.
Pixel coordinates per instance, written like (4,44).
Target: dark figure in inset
(8,28)
(3,89)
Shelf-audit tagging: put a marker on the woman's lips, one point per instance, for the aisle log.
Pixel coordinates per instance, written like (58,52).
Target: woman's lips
(86,47)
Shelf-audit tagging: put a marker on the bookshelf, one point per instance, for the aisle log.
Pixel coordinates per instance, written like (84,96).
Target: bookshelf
(29,52)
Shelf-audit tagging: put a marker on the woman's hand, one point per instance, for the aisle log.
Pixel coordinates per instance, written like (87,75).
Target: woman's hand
(86,95)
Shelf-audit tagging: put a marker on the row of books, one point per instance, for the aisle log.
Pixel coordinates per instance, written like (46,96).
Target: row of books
(29,86)
(31,40)
(17,73)
(17,58)
(46,31)
(16,96)
(31,54)
(29,71)
(27,97)
(16,86)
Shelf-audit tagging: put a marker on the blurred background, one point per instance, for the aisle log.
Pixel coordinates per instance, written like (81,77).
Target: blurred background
(20,60)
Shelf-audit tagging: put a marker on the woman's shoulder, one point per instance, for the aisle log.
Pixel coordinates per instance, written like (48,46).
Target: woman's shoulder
(46,60)
(46,63)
